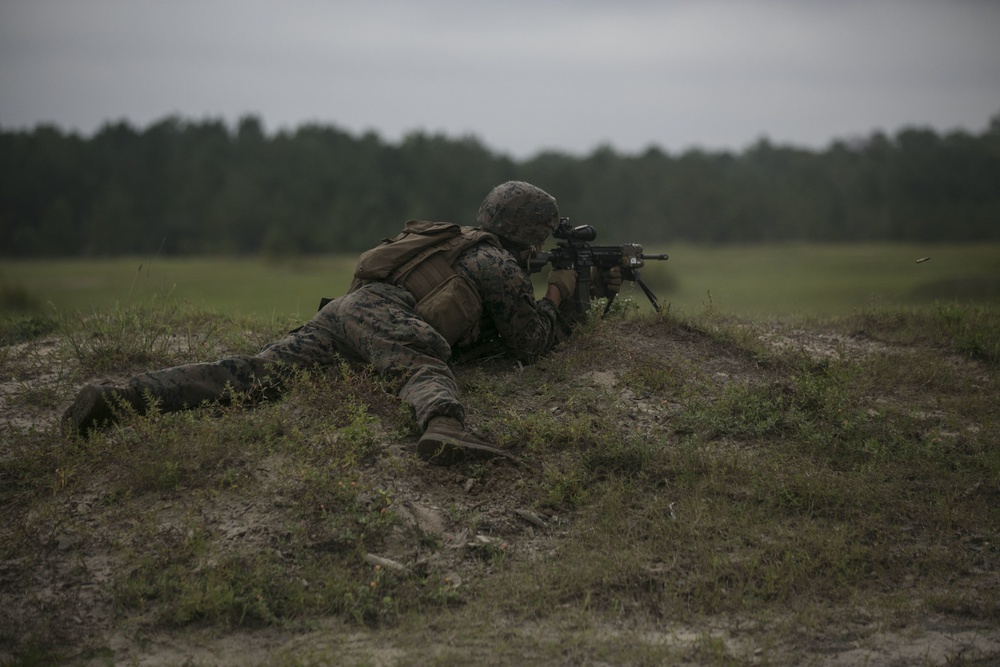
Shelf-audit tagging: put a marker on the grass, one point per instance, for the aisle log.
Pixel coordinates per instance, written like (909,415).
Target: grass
(251,287)
(799,280)
(813,483)
(698,489)
(754,281)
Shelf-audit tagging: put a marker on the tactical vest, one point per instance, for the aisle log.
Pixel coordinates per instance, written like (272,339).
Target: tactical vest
(420,259)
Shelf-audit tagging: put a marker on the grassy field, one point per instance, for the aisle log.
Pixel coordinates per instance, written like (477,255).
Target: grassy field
(697,488)
(758,281)
(692,491)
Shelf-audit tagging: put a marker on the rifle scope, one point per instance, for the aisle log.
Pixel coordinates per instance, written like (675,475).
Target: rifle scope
(578,233)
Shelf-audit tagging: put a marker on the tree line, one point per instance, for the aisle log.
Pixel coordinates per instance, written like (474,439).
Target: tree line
(198,187)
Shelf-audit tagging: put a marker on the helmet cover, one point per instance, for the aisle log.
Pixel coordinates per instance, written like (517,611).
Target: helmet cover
(519,212)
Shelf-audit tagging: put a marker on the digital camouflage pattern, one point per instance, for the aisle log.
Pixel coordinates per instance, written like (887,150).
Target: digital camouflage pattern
(525,329)
(520,212)
(377,324)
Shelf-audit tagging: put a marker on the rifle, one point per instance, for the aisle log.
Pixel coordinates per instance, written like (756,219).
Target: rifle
(575,252)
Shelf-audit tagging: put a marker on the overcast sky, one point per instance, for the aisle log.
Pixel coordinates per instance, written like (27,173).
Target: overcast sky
(520,75)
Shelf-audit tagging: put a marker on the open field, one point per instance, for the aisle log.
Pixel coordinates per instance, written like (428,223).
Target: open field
(693,489)
(759,281)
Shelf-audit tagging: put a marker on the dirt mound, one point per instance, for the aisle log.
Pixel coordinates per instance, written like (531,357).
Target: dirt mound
(329,538)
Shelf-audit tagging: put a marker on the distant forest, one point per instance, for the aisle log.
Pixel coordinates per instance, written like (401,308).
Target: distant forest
(185,187)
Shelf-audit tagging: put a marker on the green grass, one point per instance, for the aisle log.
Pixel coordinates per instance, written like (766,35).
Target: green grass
(759,281)
(702,489)
(766,491)
(825,280)
(254,287)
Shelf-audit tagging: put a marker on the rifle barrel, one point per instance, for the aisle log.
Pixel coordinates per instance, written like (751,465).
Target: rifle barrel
(660,256)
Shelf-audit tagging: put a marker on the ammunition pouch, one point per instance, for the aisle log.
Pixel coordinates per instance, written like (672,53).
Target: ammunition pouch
(420,260)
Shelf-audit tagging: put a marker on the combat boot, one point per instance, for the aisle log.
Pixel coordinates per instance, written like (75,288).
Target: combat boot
(446,442)
(96,405)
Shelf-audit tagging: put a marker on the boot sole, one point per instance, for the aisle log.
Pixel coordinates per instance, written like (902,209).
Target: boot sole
(444,451)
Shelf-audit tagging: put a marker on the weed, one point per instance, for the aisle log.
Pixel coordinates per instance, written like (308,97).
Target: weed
(123,338)
(20,329)
(654,377)
(624,458)
(563,483)
(969,330)
(679,472)
(620,307)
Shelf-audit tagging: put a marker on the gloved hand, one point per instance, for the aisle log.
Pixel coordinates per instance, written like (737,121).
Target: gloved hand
(565,280)
(606,283)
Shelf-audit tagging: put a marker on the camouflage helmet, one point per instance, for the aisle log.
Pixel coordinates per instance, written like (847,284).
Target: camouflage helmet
(519,212)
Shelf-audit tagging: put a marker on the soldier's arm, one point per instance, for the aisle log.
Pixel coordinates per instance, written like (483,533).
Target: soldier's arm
(526,326)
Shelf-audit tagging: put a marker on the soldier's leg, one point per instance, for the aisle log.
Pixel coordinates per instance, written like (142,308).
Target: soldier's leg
(380,324)
(261,375)
(170,389)
(190,385)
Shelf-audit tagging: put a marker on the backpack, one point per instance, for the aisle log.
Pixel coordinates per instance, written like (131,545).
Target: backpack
(420,260)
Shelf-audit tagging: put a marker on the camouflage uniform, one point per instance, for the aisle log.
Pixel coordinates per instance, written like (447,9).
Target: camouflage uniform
(377,324)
